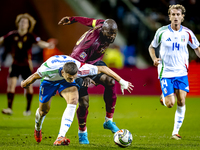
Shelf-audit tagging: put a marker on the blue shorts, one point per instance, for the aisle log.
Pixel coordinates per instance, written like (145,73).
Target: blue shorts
(49,88)
(169,84)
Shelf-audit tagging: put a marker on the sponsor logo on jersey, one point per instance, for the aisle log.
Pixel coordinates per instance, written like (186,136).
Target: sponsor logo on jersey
(20,44)
(168,39)
(182,38)
(25,39)
(83,55)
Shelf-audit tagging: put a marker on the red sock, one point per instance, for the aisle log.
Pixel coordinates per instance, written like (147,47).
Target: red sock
(82,117)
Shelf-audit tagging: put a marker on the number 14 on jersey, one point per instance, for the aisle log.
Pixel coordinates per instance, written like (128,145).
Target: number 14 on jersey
(175,46)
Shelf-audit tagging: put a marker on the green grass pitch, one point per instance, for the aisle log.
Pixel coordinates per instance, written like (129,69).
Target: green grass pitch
(149,122)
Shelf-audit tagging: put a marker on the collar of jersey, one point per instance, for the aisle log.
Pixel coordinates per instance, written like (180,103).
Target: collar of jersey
(170,29)
(60,69)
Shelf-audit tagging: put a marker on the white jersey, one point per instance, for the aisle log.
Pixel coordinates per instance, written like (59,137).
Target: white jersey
(173,50)
(51,69)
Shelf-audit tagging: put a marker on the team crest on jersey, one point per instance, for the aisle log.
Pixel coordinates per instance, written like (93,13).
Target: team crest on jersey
(83,55)
(182,38)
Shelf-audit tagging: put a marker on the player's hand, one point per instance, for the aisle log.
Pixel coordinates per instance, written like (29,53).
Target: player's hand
(51,45)
(156,62)
(87,81)
(64,21)
(126,85)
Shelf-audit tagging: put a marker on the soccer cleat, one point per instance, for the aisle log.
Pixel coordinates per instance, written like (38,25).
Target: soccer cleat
(27,113)
(7,111)
(38,136)
(61,141)
(111,126)
(161,100)
(176,137)
(83,139)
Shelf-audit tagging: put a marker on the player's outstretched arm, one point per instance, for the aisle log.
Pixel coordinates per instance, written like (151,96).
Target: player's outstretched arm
(30,80)
(44,44)
(124,84)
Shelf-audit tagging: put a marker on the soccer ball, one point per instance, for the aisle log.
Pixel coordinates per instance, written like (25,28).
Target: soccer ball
(123,138)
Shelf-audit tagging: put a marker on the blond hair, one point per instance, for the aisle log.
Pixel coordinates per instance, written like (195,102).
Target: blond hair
(32,21)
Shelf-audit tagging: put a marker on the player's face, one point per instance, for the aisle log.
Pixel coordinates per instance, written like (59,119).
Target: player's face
(176,16)
(23,24)
(109,35)
(69,78)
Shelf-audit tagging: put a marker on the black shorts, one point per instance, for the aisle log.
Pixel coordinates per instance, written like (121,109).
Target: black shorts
(16,70)
(96,78)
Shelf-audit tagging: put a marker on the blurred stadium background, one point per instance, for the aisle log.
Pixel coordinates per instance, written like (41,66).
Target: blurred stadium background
(137,22)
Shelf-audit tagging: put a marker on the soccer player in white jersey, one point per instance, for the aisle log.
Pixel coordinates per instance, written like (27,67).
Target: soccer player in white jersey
(173,63)
(58,73)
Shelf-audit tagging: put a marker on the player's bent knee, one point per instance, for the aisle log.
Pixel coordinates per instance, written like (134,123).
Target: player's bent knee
(84,102)
(170,104)
(73,100)
(108,81)
(43,112)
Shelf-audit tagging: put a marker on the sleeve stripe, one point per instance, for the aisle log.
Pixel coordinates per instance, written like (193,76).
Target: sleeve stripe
(94,23)
(190,38)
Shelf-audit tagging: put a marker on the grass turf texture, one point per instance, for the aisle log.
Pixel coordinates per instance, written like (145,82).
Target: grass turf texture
(149,122)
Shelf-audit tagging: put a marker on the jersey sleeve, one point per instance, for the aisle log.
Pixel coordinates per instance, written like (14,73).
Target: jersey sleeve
(41,70)
(155,42)
(91,22)
(35,38)
(193,42)
(87,70)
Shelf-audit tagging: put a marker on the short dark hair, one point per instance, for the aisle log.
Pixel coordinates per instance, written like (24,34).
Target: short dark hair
(71,68)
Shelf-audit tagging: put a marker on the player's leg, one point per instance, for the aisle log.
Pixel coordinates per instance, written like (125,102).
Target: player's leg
(109,97)
(167,98)
(12,81)
(181,89)
(82,112)
(110,101)
(180,113)
(26,72)
(47,90)
(39,118)
(70,94)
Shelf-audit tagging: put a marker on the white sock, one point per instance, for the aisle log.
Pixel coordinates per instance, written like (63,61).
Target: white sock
(67,119)
(179,117)
(79,131)
(107,119)
(163,98)
(38,120)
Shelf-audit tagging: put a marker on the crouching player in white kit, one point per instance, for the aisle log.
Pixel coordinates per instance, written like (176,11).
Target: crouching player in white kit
(59,73)
(173,62)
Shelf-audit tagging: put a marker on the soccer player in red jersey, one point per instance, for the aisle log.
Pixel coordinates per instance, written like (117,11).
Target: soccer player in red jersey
(90,48)
(18,43)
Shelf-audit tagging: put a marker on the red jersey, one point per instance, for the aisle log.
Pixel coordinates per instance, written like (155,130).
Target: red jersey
(89,48)
(19,46)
